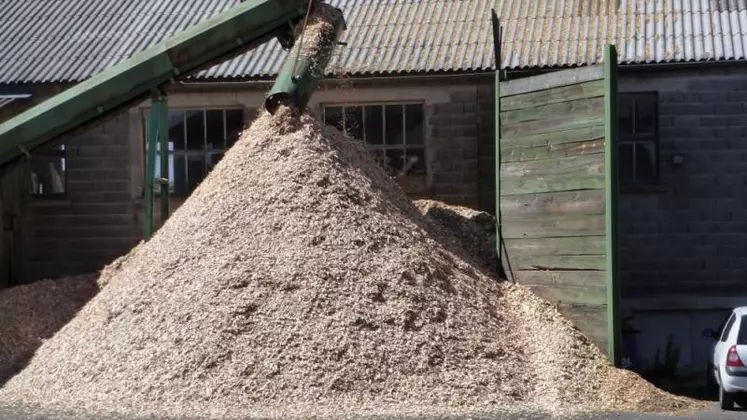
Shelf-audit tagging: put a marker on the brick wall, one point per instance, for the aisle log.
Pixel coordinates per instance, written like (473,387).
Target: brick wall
(94,223)
(689,235)
(459,139)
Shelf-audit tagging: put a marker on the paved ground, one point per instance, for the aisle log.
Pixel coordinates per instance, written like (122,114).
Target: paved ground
(24,413)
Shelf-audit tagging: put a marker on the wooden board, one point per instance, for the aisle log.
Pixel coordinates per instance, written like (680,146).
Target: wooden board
(590,319)
(553,175)
(530,154)
(592,89)
(554,178)
(573,245)
(552,227)
(560,203)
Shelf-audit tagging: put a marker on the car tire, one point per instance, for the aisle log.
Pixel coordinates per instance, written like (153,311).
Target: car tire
(725,399)
(741,400)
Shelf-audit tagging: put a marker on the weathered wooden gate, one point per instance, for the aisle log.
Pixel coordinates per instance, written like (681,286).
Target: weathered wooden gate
(557,183)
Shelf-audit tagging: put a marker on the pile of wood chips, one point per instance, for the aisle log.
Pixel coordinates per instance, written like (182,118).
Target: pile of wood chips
(32,313)
(298,279)
(472,230)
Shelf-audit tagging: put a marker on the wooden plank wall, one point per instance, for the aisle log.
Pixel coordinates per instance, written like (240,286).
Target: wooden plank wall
(552,191)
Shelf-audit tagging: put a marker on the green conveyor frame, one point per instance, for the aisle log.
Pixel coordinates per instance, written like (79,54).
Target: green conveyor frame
(243,27)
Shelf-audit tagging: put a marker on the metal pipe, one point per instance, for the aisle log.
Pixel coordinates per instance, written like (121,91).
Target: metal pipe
(303,68)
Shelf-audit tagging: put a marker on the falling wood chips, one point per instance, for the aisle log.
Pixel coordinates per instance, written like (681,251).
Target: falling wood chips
(298,279)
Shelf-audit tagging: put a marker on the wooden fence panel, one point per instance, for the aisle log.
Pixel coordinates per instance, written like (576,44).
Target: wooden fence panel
(558,192)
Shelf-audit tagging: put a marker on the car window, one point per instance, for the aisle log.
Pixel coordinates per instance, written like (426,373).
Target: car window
(742,339)
(720,330)
(728,326)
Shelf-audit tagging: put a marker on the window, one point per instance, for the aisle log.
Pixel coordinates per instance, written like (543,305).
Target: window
(48,171)
(394,133)
(742,339)
(197,141)
(727,327)
(638,129)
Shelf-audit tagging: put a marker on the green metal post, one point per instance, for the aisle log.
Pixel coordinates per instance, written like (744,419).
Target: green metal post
(163,141)
(496,23)
(497,116)
(150,161)
(614,327)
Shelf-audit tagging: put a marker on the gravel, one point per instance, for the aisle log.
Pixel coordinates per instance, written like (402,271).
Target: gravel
(299,280)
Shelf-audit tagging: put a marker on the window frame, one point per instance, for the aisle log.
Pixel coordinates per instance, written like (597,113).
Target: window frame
(727,328)
(383,147)
(187,152)
(41,152)
(635,139)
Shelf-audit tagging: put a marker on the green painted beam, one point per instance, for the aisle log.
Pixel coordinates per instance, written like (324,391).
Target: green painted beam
(154,129)
(244,26)
(614,324)
(163,147)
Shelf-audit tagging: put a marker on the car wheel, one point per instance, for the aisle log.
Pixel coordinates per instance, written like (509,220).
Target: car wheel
(725,399)
(741,400)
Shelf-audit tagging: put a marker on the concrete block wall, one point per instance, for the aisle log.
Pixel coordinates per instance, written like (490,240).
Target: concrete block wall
(688,236)
(95,222)
(457,145)
(683,250)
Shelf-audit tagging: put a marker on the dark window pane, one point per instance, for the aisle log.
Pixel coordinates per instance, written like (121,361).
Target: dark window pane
(195,171)
(195,130)
(414,124)
(625,111)
(415,161)
(176,129)
(234,125)
(333,117)
(645,162)
(179,181)
(47,175)
(354,122)
(742,338)
(626,163)
(645,115)
(395,160)
(212,160)
(215,134)
(394,125)
(727,328)
(374,126)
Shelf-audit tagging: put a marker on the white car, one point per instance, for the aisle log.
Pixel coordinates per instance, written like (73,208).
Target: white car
(729,363)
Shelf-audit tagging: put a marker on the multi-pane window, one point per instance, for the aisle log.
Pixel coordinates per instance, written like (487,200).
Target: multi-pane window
(197,141)
(638,153)
(48,171)
(394,133)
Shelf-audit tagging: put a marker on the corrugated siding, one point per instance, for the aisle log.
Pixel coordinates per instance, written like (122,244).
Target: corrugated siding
(56,41)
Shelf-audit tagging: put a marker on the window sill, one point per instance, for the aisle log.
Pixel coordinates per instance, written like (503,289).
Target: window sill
(642,189)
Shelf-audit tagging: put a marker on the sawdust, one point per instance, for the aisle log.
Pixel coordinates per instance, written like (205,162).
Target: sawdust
(473,230)
(32,313)
(298,279)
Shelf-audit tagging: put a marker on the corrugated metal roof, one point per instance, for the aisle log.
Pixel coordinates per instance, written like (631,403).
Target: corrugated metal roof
(55,41)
